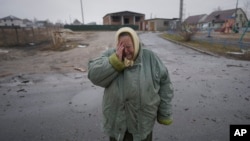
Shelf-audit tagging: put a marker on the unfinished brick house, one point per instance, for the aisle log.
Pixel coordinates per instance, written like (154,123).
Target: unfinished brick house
(124,18)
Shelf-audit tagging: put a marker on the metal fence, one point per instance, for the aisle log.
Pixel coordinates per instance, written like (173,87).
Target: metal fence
(98,27)
(213,38)
(224,42)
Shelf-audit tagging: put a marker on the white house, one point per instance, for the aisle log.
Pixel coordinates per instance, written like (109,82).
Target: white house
(28,23)
(41,24)
(11,21)
(217,18)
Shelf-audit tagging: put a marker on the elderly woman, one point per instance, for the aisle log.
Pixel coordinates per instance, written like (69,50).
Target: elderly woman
(137,86)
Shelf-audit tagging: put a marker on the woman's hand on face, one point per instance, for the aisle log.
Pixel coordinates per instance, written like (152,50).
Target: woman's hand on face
(119,50)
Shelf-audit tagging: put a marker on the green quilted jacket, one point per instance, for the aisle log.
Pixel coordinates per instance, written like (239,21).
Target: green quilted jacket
(134,97)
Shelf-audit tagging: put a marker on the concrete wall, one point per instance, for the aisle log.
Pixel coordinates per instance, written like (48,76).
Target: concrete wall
(124,20)
(156,25)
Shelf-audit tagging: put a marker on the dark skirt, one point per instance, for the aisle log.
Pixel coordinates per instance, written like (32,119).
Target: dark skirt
(129,137)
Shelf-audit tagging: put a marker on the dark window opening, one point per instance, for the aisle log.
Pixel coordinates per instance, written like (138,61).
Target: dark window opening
(165,23)
(126,20)
(116,18)
(217,16)
(137,19)
(241,16)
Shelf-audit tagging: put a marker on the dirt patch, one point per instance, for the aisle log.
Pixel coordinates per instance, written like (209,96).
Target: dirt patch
(72,56)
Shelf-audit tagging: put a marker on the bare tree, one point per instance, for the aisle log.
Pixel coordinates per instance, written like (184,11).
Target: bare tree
(246,8)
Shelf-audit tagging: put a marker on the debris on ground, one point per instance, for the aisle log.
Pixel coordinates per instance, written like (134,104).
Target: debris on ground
(229,65)
(80,69)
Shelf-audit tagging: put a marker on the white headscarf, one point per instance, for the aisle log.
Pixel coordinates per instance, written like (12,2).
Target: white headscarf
(135,41)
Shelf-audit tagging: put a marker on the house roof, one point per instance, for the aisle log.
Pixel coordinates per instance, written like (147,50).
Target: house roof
(42,22)
(162,19)
(220,16)
(194,19)
(76,22)
(123,13)
(27,21)
(10,17)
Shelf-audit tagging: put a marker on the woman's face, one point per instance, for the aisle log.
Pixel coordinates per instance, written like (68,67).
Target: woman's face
(128,45)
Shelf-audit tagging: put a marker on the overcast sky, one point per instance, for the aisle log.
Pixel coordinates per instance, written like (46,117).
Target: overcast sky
(67,11)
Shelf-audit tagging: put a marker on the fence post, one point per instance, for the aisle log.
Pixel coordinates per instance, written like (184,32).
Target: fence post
(33,34)
(4,37)
(17,38)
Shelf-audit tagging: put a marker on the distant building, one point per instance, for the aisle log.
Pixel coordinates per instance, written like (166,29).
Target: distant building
(76,22)
(159,24)
(91,23)
(41,24)
(124,18)
(195,21)
(28,23)
(11,21)
(217,19)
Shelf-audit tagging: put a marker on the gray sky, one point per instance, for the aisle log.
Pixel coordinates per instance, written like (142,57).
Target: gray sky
(67,11)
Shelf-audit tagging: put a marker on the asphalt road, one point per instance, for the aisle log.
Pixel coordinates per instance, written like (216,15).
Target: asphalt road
(210,94)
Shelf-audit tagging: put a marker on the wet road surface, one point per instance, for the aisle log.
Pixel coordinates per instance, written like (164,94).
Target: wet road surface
(210,94)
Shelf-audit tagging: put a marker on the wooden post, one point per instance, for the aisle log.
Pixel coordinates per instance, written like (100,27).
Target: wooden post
(47,29)
(33,34)
(17,38)
(4,37)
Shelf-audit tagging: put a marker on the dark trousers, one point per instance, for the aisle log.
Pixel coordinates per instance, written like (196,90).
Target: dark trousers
(129,137)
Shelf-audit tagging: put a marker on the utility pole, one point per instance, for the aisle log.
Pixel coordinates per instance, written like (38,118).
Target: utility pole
(181,14)
(181,10)
(236,10)
(82,12)
(235,18)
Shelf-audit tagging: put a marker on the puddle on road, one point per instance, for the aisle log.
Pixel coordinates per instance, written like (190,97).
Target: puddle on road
(87,100)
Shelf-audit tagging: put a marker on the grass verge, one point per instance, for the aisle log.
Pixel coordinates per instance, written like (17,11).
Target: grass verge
(213,48)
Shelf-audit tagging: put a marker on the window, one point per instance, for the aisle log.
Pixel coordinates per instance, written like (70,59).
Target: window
(137,19)
(165,23)
(217,16)
(116,18)
(126,20)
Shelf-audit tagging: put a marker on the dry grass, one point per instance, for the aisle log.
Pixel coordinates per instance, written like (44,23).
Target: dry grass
(210,47)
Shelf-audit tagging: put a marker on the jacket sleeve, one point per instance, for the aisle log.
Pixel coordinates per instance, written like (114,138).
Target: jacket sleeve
(166,93)
(103,70)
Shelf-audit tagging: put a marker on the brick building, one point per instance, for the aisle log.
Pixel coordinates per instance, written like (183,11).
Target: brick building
(124,18)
